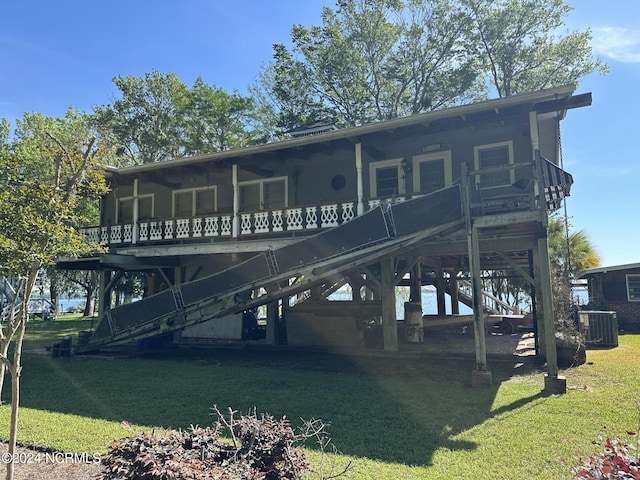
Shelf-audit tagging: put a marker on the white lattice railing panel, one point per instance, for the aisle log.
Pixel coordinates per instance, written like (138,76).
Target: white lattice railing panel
(93,235)
(210,228)
(311,217)
(261,222)
(127,233)
(168,229)
(155,230)
(197,227)
(245,224)
(143,231)
(348,212)
(329,215)
(277,220)
(295,220)
(183,229)
(226,225)
(116,234)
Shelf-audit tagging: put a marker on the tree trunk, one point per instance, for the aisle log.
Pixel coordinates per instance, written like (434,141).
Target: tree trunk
(54,292)
(4,349)
(16,369)
(90,303)
(91,287)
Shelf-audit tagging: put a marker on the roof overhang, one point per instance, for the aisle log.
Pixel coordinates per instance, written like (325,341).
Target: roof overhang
(613,268)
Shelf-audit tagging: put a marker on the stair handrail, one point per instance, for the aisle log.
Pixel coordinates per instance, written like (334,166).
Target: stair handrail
(489,301)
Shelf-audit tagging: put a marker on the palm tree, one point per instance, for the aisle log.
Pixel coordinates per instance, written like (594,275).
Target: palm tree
(570,254)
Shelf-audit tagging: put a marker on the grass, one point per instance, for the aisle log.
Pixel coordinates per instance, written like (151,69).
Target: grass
(394,419)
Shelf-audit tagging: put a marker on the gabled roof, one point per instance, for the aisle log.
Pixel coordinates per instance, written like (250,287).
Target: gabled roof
(552,101)
(613,268)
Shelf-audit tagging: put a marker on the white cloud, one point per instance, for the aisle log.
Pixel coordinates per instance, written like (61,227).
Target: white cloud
(617,43)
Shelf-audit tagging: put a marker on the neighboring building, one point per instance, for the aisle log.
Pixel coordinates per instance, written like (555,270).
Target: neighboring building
(491,169)
(616,288)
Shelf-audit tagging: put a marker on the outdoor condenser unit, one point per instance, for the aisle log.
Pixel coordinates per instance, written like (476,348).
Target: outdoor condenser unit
(599,328)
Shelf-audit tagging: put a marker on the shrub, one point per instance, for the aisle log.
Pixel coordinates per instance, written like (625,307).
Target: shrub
(618,460)
(259,448)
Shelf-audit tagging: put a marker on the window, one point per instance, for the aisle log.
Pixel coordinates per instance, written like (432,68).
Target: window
(259,195)
(633,288)
(194,202)
(431,172)
(491,156)
(386,178)
(125,208)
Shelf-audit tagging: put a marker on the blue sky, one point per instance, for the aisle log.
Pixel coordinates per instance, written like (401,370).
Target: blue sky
(56,55)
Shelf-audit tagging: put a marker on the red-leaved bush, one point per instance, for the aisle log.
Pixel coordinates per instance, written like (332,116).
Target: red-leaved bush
(618,459)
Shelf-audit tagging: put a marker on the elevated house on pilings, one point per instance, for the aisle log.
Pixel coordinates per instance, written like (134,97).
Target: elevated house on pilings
(427,199)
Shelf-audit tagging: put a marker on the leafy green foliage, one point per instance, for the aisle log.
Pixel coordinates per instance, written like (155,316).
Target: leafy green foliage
(46,173)
(521,49)
(159,118)
(373,60)
(572,253)
(263,448)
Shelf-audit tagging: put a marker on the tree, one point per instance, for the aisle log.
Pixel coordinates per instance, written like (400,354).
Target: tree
(159,118)
(521,48)
(570,253)
(144,123)
(42,179)
(214,120)
(373,60)
(88,282)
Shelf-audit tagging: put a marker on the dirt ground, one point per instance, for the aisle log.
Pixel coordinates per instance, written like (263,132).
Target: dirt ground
(36,465)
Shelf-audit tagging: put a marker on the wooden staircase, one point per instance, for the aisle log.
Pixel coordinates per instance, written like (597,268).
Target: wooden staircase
(491,305)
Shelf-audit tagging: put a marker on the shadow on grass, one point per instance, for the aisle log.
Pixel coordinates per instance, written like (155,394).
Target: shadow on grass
(393,410)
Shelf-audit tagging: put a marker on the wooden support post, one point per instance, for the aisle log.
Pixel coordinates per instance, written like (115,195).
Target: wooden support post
(136,210)
(235,225)
(539,303)
(415,289)
(388,298)
(104,295)
(481,376)
(552,382)
(440,291)
(272,323)
(359,183)
(478,314)
(453,289)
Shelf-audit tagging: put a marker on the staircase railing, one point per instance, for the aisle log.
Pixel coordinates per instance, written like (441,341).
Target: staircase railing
(8,294)
(490,303)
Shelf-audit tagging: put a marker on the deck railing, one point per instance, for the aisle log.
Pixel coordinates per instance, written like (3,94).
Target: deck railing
(293,219)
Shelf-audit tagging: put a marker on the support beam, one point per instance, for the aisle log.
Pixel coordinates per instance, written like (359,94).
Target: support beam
(272,323)
(517,268)
(136,209)
(235,227)
(478,314)
(553,383)
(548,314)
(453,292)
(359,183)
(441,286)
(481,376)
(388,297)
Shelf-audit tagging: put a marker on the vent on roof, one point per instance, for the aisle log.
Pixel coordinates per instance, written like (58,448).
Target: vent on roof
(313,129)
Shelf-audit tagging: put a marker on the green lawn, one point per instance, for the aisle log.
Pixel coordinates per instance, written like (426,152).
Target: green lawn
(395,419)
